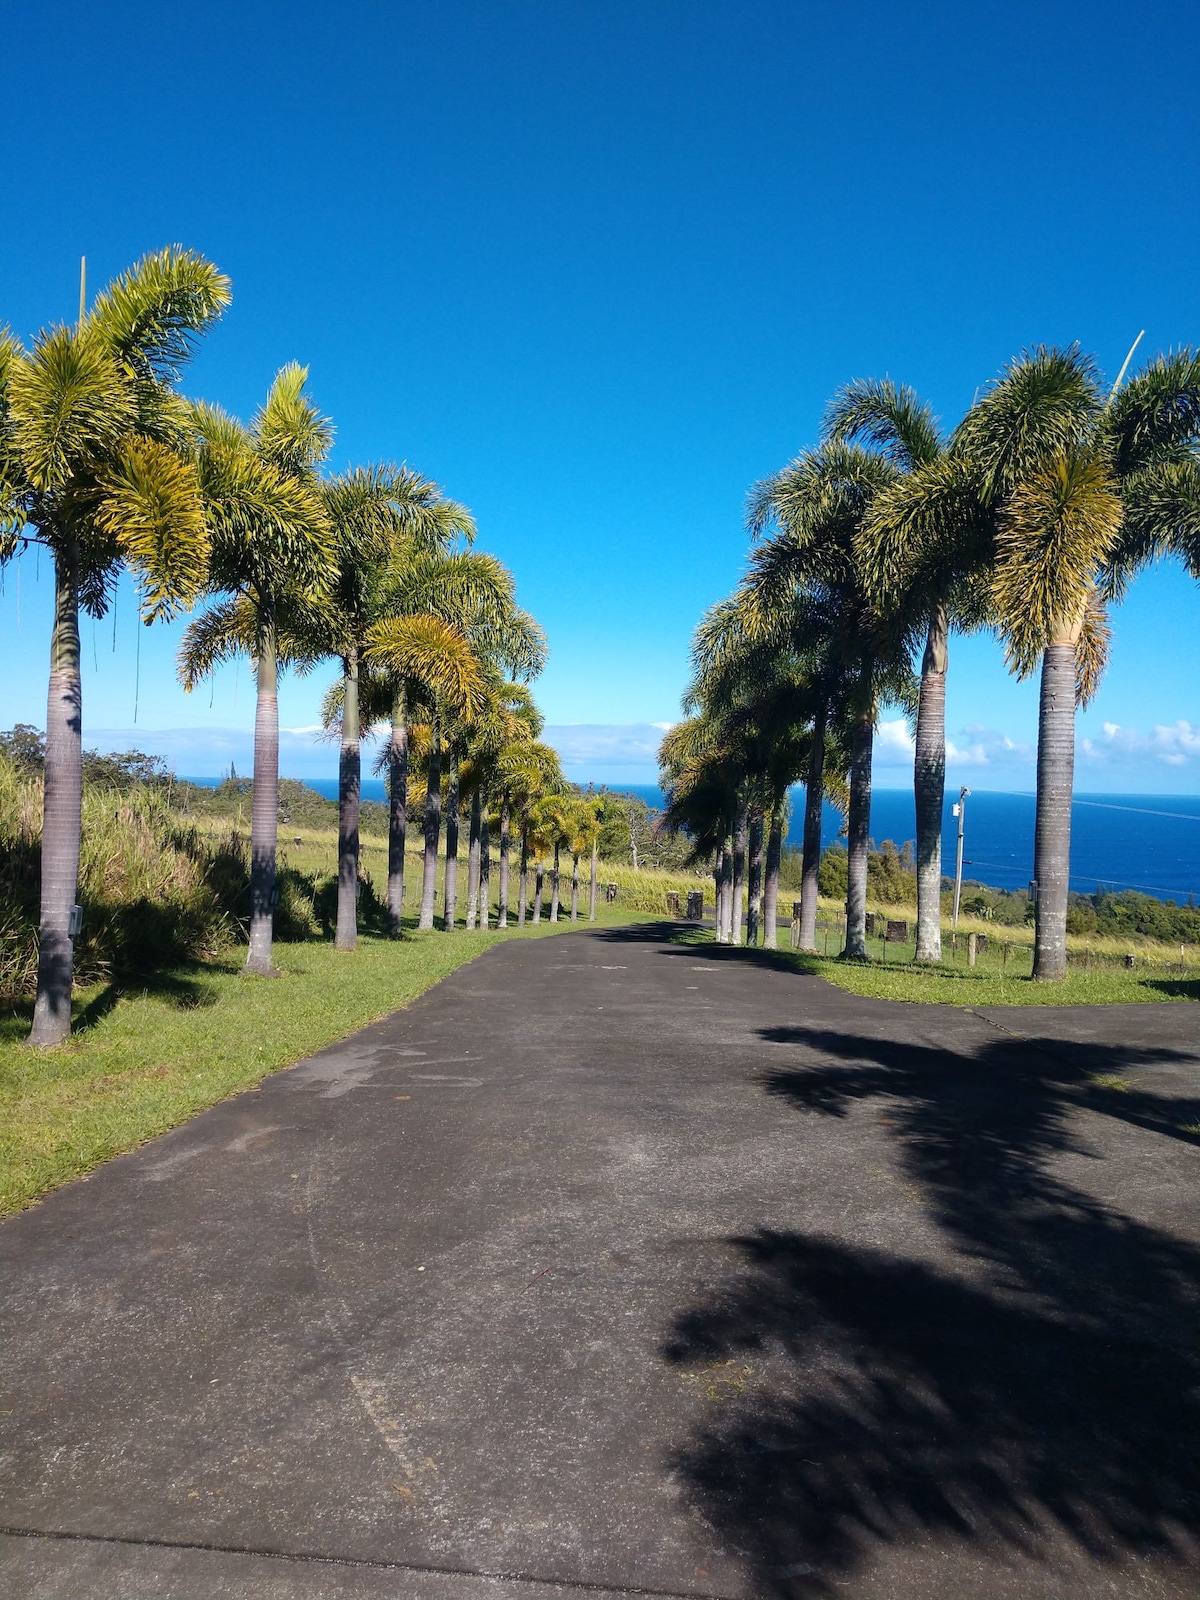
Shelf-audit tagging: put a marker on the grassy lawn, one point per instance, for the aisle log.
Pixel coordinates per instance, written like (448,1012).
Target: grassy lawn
(143,1060)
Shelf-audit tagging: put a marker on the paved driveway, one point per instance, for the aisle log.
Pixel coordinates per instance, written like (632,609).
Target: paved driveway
(615,1265)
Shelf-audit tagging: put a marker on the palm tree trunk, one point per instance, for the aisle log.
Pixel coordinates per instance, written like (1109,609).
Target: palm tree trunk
(502,913)
(771,888)
(539,886)
(451,884)
(62,808)
(858,827)
(754,878)
(264,816)
(473,849)
(523,889)
(1052,835)
(929,788)
(433,829)
(592,889)
(349,787)
(575,888)
(554,886)
(740,831)
(485,873)
(397,810)
(724,893)
(810,860)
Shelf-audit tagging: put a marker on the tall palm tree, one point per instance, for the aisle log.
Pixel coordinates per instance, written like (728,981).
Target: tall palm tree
(583,832)
(924,548)
(272,559)
(381,517)
(95,465)
(808,573)
(1056,462)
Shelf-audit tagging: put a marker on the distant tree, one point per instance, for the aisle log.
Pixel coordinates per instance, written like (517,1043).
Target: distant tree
(24,747)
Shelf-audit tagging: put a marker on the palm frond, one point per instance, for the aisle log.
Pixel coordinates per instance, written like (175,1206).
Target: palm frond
(431,654)
(1157,412)
(1056,531)
(68,407)
(225,631)
(150,318)
(1091,651)
(288,430)
(151,509)
(888,417)
(1044,407)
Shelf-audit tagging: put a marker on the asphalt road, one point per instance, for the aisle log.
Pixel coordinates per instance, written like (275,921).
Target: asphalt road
(619,1266)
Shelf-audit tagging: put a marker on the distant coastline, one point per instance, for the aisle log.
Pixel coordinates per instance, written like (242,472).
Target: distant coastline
(1146,842)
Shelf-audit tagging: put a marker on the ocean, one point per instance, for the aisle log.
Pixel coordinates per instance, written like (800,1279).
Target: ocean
(1145,842)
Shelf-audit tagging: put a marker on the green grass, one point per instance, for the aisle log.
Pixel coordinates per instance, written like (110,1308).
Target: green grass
(990,984)
(144,1060)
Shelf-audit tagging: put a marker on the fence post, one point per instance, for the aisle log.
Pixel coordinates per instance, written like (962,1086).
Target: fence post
(972,948)
(795,935)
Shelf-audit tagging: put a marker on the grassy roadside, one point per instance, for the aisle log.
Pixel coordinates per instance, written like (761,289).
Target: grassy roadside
(992,982)
(144,1060)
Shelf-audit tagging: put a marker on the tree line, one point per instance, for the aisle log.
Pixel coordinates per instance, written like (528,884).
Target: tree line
(106,465)
(871,550)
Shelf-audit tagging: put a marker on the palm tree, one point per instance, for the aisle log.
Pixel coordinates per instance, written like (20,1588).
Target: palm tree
(1054,459)
(922,548)
(273,559)
(808,576)
(95,459)
(582,833)
(380,516)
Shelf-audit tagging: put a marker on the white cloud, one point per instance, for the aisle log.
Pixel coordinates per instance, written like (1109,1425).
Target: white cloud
(975,746)
(593,745)
(1175,744)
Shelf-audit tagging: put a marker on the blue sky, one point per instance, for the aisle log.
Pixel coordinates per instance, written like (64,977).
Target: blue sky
(596,268)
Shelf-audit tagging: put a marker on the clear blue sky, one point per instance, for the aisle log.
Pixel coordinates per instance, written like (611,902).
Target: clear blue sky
(596,268)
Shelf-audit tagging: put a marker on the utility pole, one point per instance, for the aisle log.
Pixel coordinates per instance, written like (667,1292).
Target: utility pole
(82,289)
(960,812)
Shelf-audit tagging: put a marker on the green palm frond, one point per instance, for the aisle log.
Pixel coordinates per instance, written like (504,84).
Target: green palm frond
(888,417)
(920,533)
(1162,519)
(150,507)
(288,430)
(1157,413)
(225,631)
(1043,407)
(1091,651)
(150,318)
(1056,531)
(430,653)
(68,408)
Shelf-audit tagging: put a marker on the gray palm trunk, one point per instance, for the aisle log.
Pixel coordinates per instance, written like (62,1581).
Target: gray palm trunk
(574,888)
(1052,829)
(771,885)
(349,791)
(929,788)
(754,878)
(264,816)
(724,877)
(539,886)
(433,831)
(397,810)
(858,828)
(523,887)
(485,872)
(592,886)
(810,860)
(554,883)
(62,809)
(505,826)
(740,837)
(473,849)
(451,885)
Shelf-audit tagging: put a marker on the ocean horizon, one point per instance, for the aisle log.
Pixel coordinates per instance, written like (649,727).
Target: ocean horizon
(1150,843)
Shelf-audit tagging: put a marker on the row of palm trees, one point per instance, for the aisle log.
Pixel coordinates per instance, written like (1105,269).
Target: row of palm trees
(105,464)
(874,547)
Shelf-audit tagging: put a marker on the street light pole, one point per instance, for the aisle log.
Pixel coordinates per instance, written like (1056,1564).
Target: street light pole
(960,812)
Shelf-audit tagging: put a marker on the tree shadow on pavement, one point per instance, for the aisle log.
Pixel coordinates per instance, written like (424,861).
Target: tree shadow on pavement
(1028,1386)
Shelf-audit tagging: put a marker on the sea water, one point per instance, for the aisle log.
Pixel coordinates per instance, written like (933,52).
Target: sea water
(1140,841)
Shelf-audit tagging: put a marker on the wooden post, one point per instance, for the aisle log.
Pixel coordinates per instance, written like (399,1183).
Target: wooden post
(795,924)
(972,949)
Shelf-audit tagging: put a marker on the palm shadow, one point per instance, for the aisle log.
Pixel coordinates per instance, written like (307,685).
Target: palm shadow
(1029,1386)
